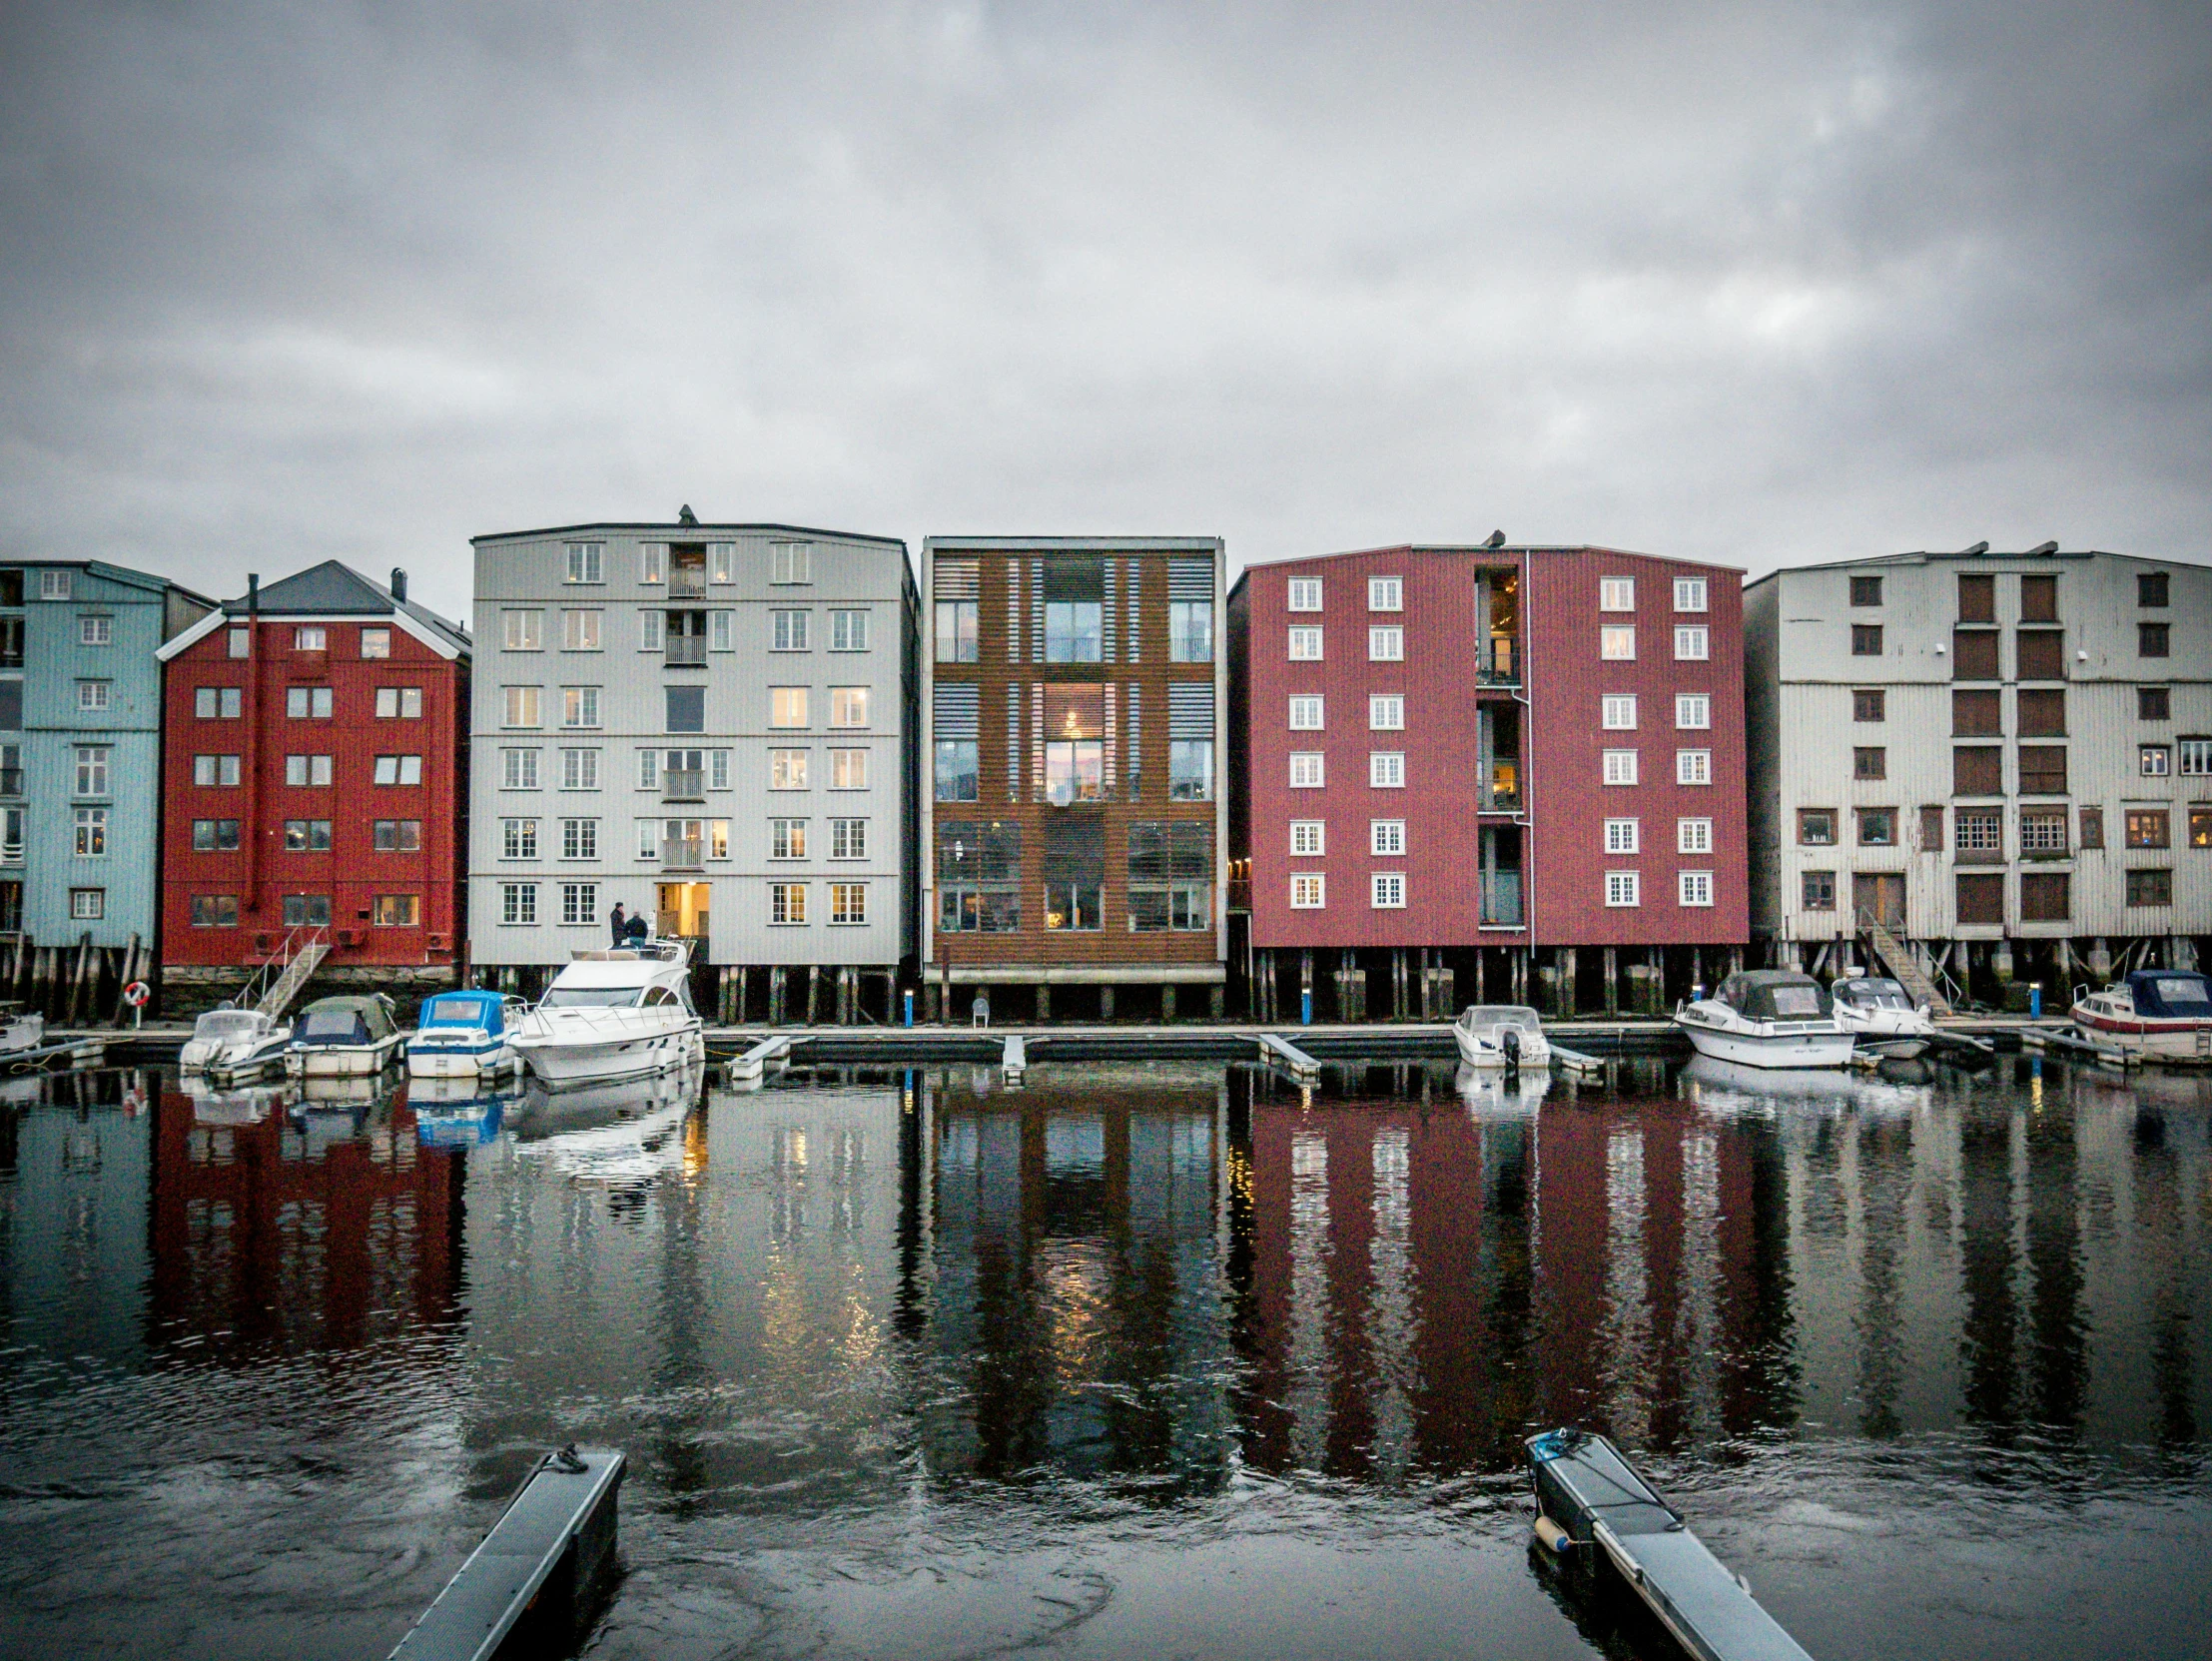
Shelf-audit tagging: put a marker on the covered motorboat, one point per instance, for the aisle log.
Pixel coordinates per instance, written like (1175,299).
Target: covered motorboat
(1501,1034)
(234,1042)
(613,1014)
(459,1034)
(348,1036)
(2159,1014)
(1880,1017)
(1768,1018)
(19,1029)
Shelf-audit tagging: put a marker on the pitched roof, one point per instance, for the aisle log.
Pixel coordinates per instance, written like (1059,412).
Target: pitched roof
(333,590)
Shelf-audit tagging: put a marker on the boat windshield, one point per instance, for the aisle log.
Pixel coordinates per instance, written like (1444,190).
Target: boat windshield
(333,1027)
(1796,999)
(1495,1017)
(454,1011)
(227,1024)
(1872,995)
(591,997)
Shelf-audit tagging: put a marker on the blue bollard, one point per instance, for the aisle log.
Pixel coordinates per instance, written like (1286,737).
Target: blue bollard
(1305,1007)
(909,1006)
(2035,1002)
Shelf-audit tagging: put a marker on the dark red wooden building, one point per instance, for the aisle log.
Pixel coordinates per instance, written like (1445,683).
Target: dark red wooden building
(1486,774)
(315,748)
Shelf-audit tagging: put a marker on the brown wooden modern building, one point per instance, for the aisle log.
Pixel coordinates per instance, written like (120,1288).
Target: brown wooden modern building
(1073,811)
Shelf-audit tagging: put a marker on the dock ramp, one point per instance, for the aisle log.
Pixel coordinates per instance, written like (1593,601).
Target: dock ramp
(1288,1054)
(754,1062)
(1013,1061)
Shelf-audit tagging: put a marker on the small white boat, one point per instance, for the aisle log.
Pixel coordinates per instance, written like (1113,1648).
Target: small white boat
(2162,1015)
(613,1014)
(348,1037)
(461,1035)
(1880,1017)
(234,1042)
(1501,1034)
(19,1029)
(1773,1018)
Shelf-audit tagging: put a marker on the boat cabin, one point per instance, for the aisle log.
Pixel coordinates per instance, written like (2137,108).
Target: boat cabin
(1870,992)
(1775,995)
(490,1013)
(619,980)
(2170,994)
(338,1022)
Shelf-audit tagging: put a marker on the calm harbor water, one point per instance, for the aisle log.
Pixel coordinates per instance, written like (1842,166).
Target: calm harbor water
(1130,1361)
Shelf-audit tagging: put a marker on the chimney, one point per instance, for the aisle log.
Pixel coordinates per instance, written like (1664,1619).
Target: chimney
(399,587)
(253,594)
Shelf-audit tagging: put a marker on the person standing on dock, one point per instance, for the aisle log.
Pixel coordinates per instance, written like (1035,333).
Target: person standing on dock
(620,925)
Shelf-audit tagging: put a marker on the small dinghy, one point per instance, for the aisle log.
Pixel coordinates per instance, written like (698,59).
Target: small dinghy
(1501,1034)
(1881,1019)
(234,1042)
(2162,1015)
(1590,1506)
(459,1034)
(1768,1018)
(351,1037)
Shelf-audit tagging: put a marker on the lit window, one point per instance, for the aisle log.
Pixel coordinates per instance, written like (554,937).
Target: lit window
(787,706)
(311,638)
(652,562)
(1620,766)
(787,903)
(1621,836)
(580,706)
(1305,593)
(1617,642)
(2154,761)
(1386,838)
(1619,711)
(848,902)
(1693,836)
(523,630)
(1386,643)
(1689,593)
(1305,770)
(1693,711)
(521,706)
(848,706)
(787,769)
(1385,593)
(312,836)
(580,630)
(1307,889)
(586,562)
(518,839)
(1308,838)
(1305,714)
(92,832)
(1388,890)
(1617,593)
(1622,888)
(1693,766)
(1305,643)
(375,642)
(1386,769)
(721,561)
(787,839)
(1386,712)
(1696,887)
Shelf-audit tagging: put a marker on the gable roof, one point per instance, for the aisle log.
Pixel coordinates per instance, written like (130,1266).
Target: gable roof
(333,590)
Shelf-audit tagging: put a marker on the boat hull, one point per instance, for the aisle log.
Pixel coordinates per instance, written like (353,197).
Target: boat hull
(343,1060)
(454,1060)
(563,1061)
(1476,1053)
(2153,1040)
(1783,1050)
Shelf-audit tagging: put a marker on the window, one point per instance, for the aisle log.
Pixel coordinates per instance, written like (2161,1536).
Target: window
(1977,600)
(721,561)
(301,911)
(92,832)
(2150,888)
(1817,827)
(1618,711)
(519,769)
(1385,593)
(395,836)
(1074,875)
(1386,769)
(2042,714)
(2040,654)
(2042,769)
(2153,640)
(957,640)
(580,705)
(979,872)
(311,638)
(1171,877)
(787,706)
(1386,712)
(586,562)
(1305,770)
(2146,827)
(684,707)
(1617,642)
(2196,757)
(1689,593)
(848,902)
(1386,838)
(1865,590)
(1622,836)
(1308,891)
(375,642)
(2200,827)
(2038,600)
(579,630)
(1865,639)
(652,632)
(787,769)
(241,642)
(580,903)
(308,836)
(1980,897)
(1878,827)
(579,769)
(307,703)
(1693,766)
(521,706)
(1977,770)
(1974,654)
(579,839)
(787,631)
(1978,830)
(1308,838)
(722,631)
(849,631)
(959,770)
(787,903)
(2150,588)
(518,839)
(400,703)
(1818,891)
(652,562)
(1978,715)
(1693,711)
(1072,628)
(94,631)
(1695,888)
(214,769)
(2045,896)
(848,769)
(787,839)
(1386,643)
(1693,836)
(1869,761)
(1691,643)
(215,836)
(53,586)
(1620,766)
(1305,714)
(848,839)
(396,911)
(313,772)
(92,694)
(523,630)
(2153,761)
(1190,769)
(91,769)
(1190,631)
(2153,703)
(2043,832)
(1386,890)
(1305,593)
(2093,827)
(1870,705)
(791,562)
(848,706)
(517,903)
(392,769)
(215,911)
(1305,643)
(1622,888)
(1617,593)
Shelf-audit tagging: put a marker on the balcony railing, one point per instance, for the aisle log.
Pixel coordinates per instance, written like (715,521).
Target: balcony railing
(683,854)
(687,582)
(687,651)
(683,784)
(1501,664)
(1501,899)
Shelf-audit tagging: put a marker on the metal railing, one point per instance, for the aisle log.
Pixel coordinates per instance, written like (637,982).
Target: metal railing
(687,582)
(1502,663)
(686,650)
(681,852)
(683,784)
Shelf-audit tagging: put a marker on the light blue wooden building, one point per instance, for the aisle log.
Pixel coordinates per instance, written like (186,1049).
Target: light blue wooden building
(80,747)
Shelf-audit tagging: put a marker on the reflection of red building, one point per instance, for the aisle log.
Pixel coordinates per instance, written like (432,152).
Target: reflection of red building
(265,1235)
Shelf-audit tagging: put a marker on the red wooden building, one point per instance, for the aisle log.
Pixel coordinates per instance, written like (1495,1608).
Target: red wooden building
(1486,774)
(315,779)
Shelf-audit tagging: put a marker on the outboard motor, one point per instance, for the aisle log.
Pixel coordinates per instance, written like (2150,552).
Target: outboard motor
(1509,1040)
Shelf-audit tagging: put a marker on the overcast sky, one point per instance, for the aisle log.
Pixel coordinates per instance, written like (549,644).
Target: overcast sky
(1756,283)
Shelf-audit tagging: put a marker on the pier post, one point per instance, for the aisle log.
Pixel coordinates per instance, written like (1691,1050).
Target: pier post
(1105,1002)
(1167,1004)
(1736,960)
(1216,1000)
(1397,983)
(1570,981)
(1612,982)
(1305,982)
(775,994)
(1044,1003)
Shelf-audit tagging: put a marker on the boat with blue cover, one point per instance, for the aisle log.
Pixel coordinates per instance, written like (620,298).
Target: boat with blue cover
(2162,1015)
(459,1034)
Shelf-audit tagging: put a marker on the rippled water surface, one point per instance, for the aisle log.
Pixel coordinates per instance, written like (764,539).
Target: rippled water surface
(1133,1361)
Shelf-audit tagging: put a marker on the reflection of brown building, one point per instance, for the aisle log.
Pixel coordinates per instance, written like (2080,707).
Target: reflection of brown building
(266,1235)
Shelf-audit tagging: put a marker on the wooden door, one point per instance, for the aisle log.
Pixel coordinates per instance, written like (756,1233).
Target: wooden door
(1880,895)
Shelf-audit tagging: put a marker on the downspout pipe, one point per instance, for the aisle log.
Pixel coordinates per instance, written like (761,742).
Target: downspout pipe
(250,761)
(1528,764)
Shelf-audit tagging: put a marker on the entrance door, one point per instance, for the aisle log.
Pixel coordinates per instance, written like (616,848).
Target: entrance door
(683,911)
(1878,895)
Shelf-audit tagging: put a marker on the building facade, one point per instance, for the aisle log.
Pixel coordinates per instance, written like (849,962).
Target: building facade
(314,786)
(80,749)
(1075,815)
(1506,772)
(2006,760)
(708,724)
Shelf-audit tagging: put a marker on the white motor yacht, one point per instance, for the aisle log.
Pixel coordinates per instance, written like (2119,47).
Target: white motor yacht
(613,1014)
(1501,1034)
(2162,1015)
(1880,1017)
(1774,1018)
(235,1043)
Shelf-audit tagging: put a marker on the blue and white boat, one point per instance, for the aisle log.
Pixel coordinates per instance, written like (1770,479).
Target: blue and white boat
(464,1035)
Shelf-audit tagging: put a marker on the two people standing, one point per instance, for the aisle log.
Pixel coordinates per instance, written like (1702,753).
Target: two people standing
(629,930)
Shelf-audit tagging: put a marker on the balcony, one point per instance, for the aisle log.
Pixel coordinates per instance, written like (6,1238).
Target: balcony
(685,651)
(683,784)
(683,854)
(1501,662)
(687,582)
(1500,900)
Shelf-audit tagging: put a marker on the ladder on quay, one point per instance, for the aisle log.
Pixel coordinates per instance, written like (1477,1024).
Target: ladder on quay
(1897,958)
(279,978)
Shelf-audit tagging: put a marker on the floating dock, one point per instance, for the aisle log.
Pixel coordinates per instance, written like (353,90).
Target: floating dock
(1589,1502)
